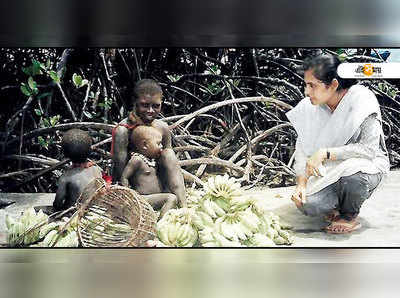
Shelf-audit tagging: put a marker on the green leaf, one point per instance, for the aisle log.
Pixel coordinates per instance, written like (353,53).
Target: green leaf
(46,122)
(84,82)
(342,57)
(36,67)
(42,142)
(340,51)
(43,95)
(48,63)
(27,70)
(77,80)
(54,76)
(25,90)
(88,115)
(32,84)
(38,112)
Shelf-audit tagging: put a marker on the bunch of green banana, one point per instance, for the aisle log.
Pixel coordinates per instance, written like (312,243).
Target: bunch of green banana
(261,240)
(18,227)
(96,220)
(257,205)
(202,220)
(68,239)
(49,239)
(117,228)
(176,234)
(224,217)
(47,228)
(177,229)
(222,187)
(194,197)
(213,238)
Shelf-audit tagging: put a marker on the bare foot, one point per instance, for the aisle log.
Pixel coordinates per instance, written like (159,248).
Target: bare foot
(343,226)
(332,216)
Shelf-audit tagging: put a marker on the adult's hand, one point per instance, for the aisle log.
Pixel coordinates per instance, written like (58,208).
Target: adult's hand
(313,163)
(299,195)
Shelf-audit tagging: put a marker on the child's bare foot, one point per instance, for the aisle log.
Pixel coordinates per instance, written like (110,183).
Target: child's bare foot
(343,226)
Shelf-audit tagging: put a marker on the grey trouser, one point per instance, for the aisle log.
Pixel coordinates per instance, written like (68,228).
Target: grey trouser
(346,195)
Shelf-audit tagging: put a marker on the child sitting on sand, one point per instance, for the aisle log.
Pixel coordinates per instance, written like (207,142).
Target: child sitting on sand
(141,172)
(76,145)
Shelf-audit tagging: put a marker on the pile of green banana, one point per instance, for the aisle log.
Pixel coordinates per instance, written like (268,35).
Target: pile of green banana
(22,231)
(221,216)
(176,228)
(53,238)
(17,228)
(98,221)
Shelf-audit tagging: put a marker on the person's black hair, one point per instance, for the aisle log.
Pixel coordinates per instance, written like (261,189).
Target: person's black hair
(324,68)
(146,87)
(76,145)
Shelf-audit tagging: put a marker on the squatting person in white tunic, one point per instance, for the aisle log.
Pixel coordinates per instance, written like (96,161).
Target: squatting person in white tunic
(340,155)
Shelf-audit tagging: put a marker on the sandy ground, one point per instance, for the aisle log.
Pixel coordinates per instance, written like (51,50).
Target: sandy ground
(380,216)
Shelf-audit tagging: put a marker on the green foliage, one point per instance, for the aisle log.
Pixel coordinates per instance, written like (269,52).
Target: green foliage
(43,95)
(46,142)
(78,81)
(32,84)
(174,77)
(29,89)
(47,122)
(34,69)
(25,89)
(53,75)
(106,104)
(388,89)
(340,51)
(88,115)
(343,57)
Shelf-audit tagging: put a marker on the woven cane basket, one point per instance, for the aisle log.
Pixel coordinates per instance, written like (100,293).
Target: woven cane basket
(114,216)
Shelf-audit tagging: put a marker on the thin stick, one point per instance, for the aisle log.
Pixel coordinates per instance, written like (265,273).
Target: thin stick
(257,139)
(47,130)
(66,102)
(211,161)
(85,101)
(229,102)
